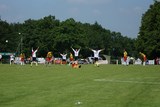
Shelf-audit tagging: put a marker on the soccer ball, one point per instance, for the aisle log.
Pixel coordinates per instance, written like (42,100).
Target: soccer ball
(78,102)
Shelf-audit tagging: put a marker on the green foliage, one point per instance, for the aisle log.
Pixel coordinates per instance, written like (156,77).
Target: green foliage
(49,34)
(6,34)
(148,40)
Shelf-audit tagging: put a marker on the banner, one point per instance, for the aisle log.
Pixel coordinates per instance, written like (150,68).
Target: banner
(7,53)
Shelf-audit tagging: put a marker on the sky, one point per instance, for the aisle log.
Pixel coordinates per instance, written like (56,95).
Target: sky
(122,16)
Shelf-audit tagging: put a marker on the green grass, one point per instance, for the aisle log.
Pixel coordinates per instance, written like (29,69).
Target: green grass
(62,86)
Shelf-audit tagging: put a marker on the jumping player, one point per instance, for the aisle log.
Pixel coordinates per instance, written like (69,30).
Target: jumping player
(96,55)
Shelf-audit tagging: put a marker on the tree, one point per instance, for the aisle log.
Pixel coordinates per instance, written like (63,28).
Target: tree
(148,40)
(7,37)
(50,34)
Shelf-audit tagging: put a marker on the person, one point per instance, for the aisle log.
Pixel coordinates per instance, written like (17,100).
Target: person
(64,58)
(49,58)
(125,56)
(12,59)
(76,53)
(157,61)
(71,58)
(34,60)
(0,58)
(144,58)
(75,64)
(96,55)
(22,57)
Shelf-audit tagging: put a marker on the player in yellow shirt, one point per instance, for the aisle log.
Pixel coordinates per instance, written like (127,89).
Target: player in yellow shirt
(71,58)
(49,58)
(144,58)
(22,57)
(125,56)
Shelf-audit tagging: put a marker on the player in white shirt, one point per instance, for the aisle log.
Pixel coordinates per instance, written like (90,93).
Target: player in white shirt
(76,53)
(34,57)
(96,55)
(0,58)
(12,59)
(64,58)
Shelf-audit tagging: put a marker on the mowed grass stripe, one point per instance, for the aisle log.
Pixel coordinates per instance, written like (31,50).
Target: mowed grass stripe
(62,86)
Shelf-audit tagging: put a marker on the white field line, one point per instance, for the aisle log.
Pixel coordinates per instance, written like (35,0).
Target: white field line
(123,81)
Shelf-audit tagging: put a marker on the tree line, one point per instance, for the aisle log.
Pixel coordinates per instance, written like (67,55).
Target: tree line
(51,34)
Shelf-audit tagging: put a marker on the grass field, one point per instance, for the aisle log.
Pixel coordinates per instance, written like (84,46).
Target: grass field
(89,86)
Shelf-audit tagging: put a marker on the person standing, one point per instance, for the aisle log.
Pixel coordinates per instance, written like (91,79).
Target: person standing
(157,61)
(12,59)
(125,57)
(96,55)
(0,58)
(64,58)
(22,57)
(49,58)
(144,58)
(76,53)
(71,58)
(34,58)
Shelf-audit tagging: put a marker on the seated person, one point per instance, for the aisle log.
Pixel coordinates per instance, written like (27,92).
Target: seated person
(76,65)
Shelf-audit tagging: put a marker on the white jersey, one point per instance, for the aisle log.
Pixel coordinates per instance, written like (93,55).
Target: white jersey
(34,53)
(64,56)
(0,56)
(96,53)
(11,57)
(76,52)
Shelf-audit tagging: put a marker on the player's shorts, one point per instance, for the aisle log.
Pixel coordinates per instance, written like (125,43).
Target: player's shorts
(95,59)
(49,59)
(22,59)
(64,60)
(125,58)
(34,59)
(145,59)
(76,58)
